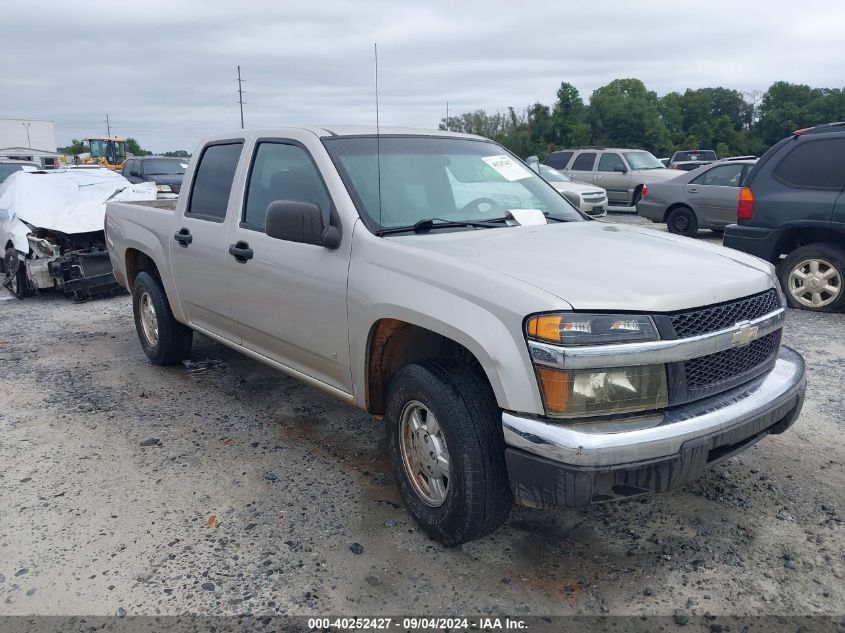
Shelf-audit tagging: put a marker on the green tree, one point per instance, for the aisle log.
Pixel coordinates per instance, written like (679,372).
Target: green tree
(624,113)
(74,148)
(132,147)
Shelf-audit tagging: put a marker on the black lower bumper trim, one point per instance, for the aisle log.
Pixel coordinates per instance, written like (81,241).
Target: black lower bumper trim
(539,482)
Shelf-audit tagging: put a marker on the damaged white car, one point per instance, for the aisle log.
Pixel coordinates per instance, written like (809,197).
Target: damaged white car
(51,227)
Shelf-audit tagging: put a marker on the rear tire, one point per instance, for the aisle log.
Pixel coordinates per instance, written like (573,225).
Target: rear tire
(15,271)
(456,417)
(682,221)
(165,341)
(813,277)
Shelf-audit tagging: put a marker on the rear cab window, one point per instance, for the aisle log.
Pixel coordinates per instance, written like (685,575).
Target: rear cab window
(814,164)
(213,180)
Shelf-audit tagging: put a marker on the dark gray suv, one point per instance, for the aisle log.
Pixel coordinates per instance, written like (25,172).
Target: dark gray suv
(791,212)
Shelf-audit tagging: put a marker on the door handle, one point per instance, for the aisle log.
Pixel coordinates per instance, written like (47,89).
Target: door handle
(184,237)
(692,190)
(241,251)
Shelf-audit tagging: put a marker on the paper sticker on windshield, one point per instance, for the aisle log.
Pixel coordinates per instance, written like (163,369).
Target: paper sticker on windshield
(507,167)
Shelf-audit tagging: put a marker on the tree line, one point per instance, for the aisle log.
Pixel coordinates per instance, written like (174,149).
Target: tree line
(624,113)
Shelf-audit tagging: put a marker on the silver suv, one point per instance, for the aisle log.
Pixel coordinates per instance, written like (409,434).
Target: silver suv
(622,172)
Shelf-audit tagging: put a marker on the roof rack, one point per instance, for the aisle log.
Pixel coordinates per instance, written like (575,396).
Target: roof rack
(819,129)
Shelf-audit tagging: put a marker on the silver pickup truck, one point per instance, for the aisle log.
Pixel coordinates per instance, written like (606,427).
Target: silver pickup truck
(517,350)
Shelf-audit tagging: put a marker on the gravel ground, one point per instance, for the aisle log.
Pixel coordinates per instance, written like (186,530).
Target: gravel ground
(221,487)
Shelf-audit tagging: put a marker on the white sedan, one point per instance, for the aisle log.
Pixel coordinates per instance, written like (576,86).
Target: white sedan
(589,199)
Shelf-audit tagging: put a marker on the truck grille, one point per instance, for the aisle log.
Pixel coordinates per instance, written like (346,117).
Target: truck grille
(731,365)
(725,315)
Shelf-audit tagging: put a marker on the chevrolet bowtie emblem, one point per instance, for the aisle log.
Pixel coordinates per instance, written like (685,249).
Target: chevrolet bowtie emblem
(745,334)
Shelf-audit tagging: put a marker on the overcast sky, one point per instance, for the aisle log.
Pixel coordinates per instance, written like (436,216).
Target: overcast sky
(166,71)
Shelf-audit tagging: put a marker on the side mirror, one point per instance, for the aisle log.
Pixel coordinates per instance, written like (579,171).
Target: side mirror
(295,221)
(621,168)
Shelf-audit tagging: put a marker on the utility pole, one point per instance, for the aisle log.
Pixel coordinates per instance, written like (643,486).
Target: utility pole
(240,96)
(447,116)
(108,127)
(28,141)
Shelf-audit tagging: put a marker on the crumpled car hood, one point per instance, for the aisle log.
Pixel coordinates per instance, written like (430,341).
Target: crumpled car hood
(64,200)
(601,266)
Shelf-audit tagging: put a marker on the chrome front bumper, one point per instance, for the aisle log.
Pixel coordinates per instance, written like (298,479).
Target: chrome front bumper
(755,406)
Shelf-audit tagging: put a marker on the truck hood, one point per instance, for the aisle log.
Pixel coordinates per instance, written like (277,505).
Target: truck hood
(601,266)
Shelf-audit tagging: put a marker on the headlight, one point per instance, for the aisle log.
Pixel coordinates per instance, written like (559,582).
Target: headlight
(586,392)
(163,188)
(590,329)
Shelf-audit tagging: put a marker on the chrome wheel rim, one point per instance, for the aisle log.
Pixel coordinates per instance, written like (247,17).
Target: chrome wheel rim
(425,455)
(815,283)
(149,321)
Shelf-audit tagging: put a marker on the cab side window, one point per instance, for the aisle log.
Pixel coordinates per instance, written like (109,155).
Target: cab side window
(721,176)
(611,162)
(282,171)
(584,162)
(558,160)
(213,181)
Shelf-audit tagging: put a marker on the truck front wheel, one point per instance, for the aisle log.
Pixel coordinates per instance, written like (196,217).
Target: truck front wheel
(15,271)
(446,446)
(164,339)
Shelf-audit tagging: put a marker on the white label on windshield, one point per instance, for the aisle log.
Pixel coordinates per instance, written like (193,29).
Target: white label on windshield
(528,217)
(507,167)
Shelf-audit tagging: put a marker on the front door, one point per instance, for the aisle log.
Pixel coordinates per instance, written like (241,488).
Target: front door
(289,298)
(198,246)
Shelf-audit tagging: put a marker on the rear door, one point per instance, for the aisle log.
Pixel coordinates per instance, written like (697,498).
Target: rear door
(612,174)
(581,168)
(199,250)
(289,299)
(714,194)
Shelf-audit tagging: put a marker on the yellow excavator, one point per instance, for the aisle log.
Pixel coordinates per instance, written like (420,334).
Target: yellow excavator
(106,152)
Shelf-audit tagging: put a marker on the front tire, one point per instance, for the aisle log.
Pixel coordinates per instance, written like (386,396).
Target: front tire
(446,446)
(15,271)
(813,276)
(165,341)
(682,221)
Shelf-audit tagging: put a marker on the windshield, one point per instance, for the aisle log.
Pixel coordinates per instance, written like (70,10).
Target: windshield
(7,169)
(164,167)
(643,160)
(553,175)
(445,178)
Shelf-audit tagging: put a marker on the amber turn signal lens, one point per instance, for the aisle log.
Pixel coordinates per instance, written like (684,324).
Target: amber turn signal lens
(545,327)
(556,386)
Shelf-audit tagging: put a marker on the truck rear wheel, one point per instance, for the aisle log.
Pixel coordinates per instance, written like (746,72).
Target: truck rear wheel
(813,278)
(446,446)
(15,274)
(164,339)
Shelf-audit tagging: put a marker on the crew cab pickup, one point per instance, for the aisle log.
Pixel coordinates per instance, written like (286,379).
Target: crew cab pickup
(517,350)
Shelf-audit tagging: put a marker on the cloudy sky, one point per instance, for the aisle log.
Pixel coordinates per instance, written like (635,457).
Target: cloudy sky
(165,72)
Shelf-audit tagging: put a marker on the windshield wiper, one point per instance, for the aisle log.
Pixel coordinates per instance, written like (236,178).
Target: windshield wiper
(424,226)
